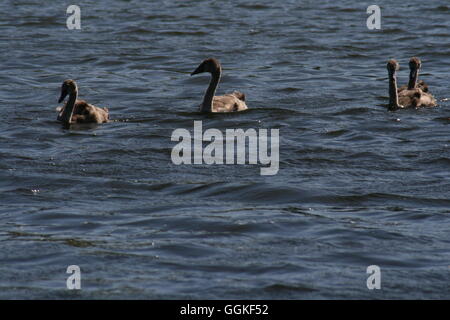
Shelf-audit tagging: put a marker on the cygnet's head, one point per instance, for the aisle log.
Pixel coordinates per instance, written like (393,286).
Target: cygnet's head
(69,86)
(210,65)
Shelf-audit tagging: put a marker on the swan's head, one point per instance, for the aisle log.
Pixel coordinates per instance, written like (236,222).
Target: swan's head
(210,65)
(415,63)
(392,66)
(68,87)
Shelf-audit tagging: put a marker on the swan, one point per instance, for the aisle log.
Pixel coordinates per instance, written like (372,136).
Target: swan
(78,111)
(414,66)
(230,102)
(407,98)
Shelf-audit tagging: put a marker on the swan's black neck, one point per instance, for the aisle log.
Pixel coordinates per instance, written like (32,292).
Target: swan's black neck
(207,104)
(393,95)
(69,107)
(413,76)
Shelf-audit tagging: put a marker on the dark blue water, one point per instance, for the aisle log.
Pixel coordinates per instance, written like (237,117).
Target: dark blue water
(357,185)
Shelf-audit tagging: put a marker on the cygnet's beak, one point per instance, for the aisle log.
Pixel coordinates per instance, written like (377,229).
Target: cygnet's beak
(198,70)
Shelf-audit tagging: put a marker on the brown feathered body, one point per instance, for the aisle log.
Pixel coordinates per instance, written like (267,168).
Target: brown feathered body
(416,98)
(84,112)
(230,102)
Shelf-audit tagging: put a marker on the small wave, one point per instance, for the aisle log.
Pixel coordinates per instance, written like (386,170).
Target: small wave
(253,6)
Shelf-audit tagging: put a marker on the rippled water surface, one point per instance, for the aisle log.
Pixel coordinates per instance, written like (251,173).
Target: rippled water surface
(357,185)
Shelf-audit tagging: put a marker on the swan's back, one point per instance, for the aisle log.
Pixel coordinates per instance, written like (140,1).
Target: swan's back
(230,102)
(416,98)
(421,85)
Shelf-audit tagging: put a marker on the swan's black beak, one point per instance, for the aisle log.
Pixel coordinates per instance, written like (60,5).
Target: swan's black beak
(63,95)
(198,70)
